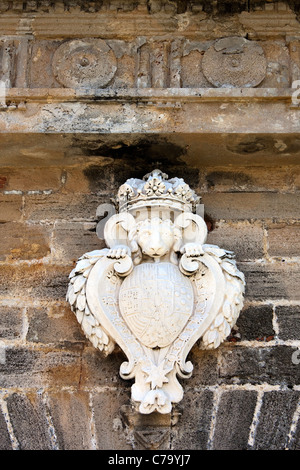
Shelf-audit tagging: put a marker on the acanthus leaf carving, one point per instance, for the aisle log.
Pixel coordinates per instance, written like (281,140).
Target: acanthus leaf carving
(157,289)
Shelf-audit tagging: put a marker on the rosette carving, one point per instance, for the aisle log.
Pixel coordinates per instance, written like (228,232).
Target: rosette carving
(88,63)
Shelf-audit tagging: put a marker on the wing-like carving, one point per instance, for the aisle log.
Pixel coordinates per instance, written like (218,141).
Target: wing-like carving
(76,296)
(220,328)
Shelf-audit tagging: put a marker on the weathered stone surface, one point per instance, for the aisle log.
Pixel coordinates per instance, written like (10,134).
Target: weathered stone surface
(275,419)
(194,426)
(32,179)
(256,323)
(234,418)
(205,370)
(10,208)
(284,240)
(250,178)
(5,442)
(253,206)
(71,419)
(71,239)
(271,281)
(23,242)
(107,419)
(288,318)
(54,325)
(98,370)
(27,368)
(246,240)
(88,63)
(34,281)
(11,321)
(272,365)
(90,114)
(28,418)
(63,206)
(107,160)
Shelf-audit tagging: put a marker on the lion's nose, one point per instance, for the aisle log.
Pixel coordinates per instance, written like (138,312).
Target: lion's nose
(156,247)
(156,251)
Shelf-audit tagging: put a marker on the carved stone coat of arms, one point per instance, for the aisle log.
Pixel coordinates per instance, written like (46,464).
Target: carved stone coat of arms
(157,289)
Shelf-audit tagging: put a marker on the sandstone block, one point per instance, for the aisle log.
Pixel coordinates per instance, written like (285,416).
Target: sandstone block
(33,179)
(244,239)
(250,179)
(272,365)
(71,418)
(275,419)
(10,207)
(72,239)
(251,206)
(255,323)
(28,417)
(108,425)
(232,432)
(284,240)
(34,281)
(34,368)
(193,428)
(271,281)
(98,370)
(205,370)
(55,324)
(288,318)
(63,206)
(23,242)
(11,322)
(5,442)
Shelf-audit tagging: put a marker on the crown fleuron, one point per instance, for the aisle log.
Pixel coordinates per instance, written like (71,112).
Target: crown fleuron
(155,189)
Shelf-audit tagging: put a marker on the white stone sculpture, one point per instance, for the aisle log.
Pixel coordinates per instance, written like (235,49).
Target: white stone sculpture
(157,288)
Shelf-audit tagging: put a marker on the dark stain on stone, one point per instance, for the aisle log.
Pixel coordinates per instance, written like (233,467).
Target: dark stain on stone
(210,222)
(235,180)
(250,145)
(255,144)
(134,160)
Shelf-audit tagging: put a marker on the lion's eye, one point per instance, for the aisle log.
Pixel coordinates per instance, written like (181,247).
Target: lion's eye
(146,233)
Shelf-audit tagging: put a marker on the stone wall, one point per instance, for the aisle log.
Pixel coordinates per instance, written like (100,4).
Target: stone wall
(57,391)
(59,161)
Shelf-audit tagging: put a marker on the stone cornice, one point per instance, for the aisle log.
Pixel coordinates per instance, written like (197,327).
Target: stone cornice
(120,23)
(151,6)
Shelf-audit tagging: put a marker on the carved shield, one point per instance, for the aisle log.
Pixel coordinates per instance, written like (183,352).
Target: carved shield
(156,311)
(156,301)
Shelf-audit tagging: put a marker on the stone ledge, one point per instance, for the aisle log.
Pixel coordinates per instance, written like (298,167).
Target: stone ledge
(148,95)
(161,111)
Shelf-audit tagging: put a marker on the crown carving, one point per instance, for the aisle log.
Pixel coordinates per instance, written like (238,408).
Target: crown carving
(156,189)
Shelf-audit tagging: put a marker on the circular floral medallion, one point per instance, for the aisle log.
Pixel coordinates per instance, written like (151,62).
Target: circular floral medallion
(84,63)
(234,62)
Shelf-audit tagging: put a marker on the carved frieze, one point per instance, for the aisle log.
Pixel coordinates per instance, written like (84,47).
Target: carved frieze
(157,289)
(147,63)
